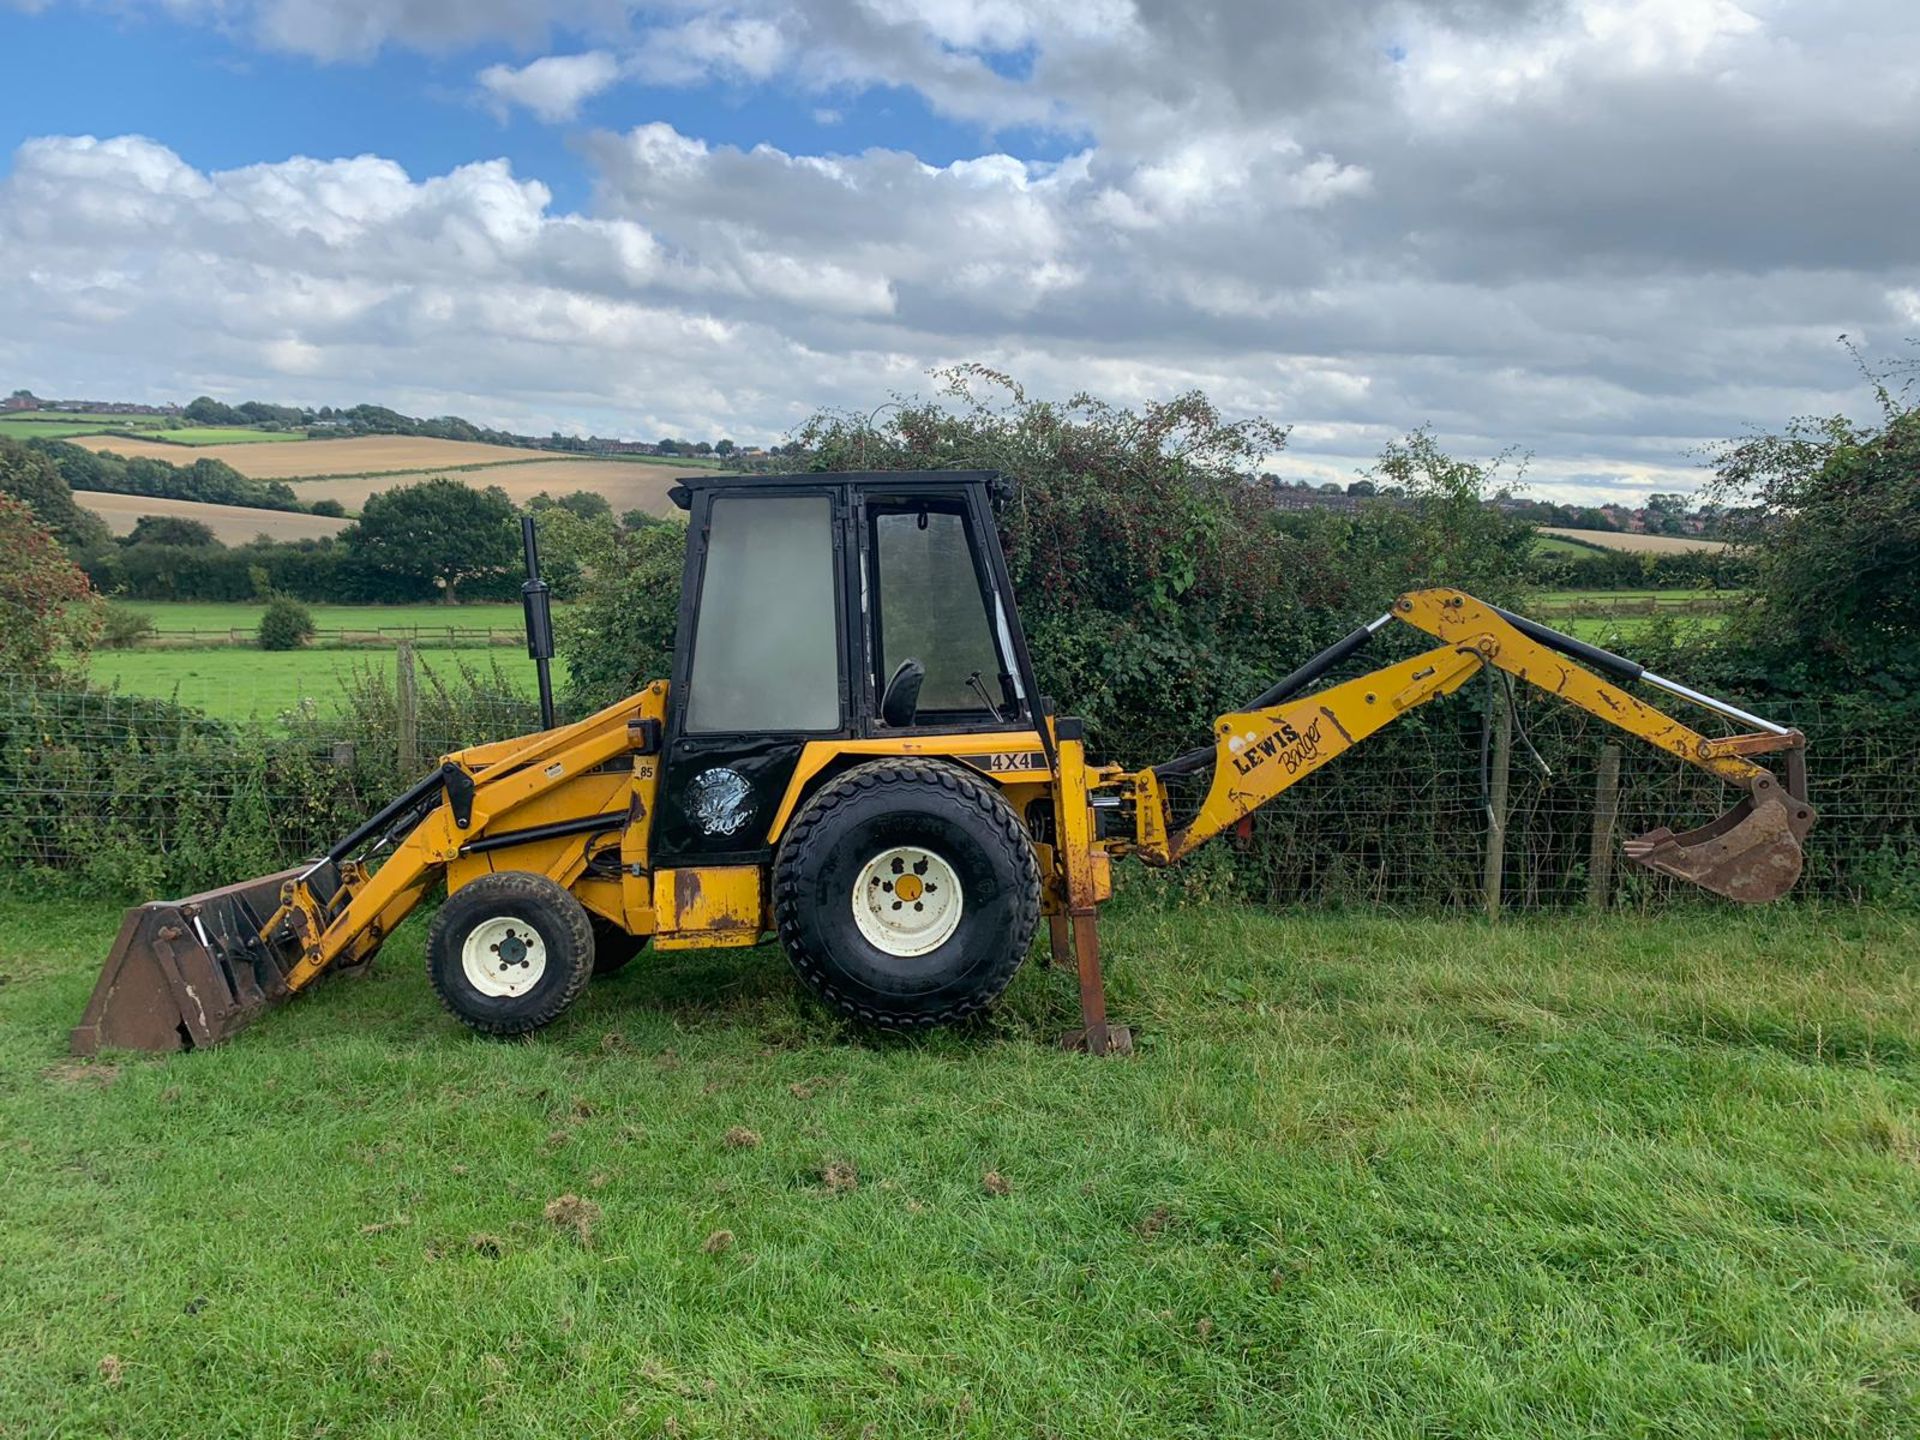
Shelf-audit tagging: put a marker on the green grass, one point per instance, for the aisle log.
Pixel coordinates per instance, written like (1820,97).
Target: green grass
(178,615)
(57,425)
(234,682)
(16,429)
(1677,598)
(225,435)
(1560,545)
(1365,1177)
(237,681)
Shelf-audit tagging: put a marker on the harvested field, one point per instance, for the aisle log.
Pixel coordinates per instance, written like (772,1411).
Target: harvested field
(364,455)
(627,485)
(1638,544)
(231,524)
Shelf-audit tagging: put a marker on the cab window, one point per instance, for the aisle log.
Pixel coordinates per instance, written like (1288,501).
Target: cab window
(929,606)
(766,650)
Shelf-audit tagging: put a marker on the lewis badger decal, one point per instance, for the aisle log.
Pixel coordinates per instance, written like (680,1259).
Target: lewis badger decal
(1295,749)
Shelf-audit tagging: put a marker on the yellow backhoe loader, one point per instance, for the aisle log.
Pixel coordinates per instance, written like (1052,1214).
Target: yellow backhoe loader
(850,754)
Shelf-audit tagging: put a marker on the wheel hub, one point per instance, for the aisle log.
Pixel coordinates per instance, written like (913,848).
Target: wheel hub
(503,957)
(907,901)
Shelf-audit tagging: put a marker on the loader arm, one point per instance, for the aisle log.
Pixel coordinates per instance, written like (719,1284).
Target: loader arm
(191,972)
(1751,854)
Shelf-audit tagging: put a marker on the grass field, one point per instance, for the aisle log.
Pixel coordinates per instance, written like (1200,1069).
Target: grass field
(1365,1177)
(171,616)
(59,425)
(237,682)
(234,682)
(227,435)
(231,524)
(17,428)
(1559,545)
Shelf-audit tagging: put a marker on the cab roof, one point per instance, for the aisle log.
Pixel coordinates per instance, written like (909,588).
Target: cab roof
(894,480)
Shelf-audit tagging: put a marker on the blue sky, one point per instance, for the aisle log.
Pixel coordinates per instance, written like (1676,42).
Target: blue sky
(219,102)
(1603,232)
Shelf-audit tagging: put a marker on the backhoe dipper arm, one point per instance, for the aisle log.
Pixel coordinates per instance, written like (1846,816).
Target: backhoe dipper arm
(1261,751)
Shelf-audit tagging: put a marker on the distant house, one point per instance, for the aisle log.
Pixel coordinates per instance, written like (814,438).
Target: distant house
(20,400)
(1288,497)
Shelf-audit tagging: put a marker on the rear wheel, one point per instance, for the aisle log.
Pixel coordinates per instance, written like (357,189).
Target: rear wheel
(509,952)
(906,893)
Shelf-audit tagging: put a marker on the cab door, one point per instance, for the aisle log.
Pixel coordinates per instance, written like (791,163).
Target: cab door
(760,666)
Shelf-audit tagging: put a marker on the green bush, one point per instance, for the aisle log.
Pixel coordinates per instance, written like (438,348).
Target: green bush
(123,628)
(287,625)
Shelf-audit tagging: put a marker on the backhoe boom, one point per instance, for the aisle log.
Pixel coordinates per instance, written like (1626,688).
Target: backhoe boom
(1260,752)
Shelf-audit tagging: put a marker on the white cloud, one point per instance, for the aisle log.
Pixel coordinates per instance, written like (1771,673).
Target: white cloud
(553,86)
(1604,230)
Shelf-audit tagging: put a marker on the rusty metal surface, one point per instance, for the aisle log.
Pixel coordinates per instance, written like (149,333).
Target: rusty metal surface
(188,973)
(1751,854)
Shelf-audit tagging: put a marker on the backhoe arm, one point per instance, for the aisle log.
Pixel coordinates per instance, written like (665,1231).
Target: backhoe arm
(1752,853)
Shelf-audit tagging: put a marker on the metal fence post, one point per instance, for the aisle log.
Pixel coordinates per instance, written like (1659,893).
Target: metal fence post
(1494,874)
(1606,813)
(408,720)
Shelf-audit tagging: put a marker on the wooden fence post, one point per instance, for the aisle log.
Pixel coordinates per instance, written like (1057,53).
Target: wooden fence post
(1495,873)
(408,725)
(1606,813)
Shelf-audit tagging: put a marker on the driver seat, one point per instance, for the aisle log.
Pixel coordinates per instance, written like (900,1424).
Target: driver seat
(900,701)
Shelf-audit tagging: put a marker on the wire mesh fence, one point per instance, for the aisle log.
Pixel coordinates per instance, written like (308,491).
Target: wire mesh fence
(125,793)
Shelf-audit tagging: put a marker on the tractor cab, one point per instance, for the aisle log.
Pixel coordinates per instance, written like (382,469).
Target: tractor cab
(846,607)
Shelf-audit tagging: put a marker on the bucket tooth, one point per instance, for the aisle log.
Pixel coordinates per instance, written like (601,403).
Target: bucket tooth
(1751,854)
(189,973)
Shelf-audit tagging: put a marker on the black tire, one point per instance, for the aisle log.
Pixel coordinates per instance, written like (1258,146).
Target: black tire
(520,899)
(856,819)
(612,946)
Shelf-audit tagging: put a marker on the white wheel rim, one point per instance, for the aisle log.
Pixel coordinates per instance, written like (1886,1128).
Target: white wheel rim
(503,957)
(907,901)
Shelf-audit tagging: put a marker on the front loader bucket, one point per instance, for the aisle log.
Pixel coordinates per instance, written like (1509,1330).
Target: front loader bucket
(192,972)
(1750,854)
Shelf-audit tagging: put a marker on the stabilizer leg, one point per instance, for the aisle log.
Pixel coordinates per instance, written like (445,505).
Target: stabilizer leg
(1095,1035)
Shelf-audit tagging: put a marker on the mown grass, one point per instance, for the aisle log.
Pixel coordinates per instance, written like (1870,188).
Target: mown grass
(1365,1177)
(172,616)
(235,682)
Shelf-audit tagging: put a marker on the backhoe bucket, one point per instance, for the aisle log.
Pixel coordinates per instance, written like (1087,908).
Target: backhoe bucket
(192,972)
(1750,854)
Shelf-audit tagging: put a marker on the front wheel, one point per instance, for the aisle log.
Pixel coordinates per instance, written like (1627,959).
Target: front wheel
(906,893)
(509,952)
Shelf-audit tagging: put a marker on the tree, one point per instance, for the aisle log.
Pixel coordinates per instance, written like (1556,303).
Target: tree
(48,610)
(1665,512)
(440,531)
(1831,513)
(587,504)
(703,448)
(333,509)
(33,479)
(723,447)
(205,410)
(170,530)
(1362,487)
